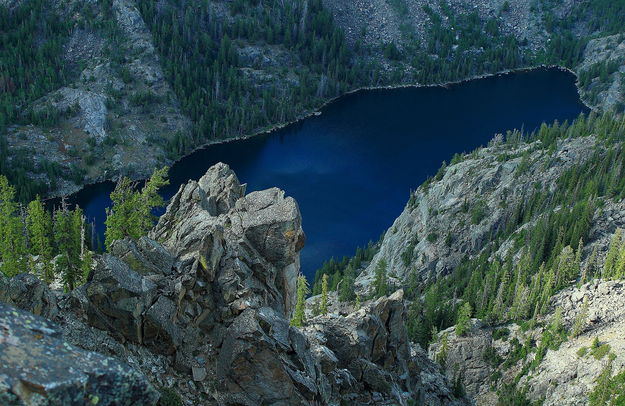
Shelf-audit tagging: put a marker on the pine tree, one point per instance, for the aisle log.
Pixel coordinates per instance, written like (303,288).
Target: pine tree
(323,309)
(131,214)
(13,251)
(300,306)
(380,283)
(68,237)
(463,322)
(613,252)
(39,228)
(346,286)
(580,320)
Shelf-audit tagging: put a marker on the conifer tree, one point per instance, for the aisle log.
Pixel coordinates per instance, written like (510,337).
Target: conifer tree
(380,283)
(300,306)
(323,309)
(346,287)
(13,251)
(131,215)
(463,323)
(39,228)
(68,236)
(613,252)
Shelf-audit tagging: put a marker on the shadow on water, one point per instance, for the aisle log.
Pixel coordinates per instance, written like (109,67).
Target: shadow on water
(351,168)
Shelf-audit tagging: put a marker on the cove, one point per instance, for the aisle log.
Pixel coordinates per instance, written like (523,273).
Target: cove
(352,167)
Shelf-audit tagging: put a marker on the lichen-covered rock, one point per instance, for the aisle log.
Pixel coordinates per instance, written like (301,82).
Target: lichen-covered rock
(265,361)
(27,292)
(37,367)
(366,357)
(117,298)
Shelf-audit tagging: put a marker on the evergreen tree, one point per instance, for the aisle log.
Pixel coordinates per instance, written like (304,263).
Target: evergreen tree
(39,228)
(613,253)
(131,214)
(299,316)
(380,283)
(68,236)
(323,309)
(463,322)
(13,251)
(346,286)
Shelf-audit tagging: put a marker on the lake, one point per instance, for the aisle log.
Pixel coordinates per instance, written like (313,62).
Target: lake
(352,167)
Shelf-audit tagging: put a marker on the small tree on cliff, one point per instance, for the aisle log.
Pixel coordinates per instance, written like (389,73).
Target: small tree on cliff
(39,228)
(131,214)
(13,251)
(380,284)
(302,291)
(464,319)
(324,295)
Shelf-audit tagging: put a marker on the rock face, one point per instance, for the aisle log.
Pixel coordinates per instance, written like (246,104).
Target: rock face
(203,304)
(566,374)
(38,367)
(457,213)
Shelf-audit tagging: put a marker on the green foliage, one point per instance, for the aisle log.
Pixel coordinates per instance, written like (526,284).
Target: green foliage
(580,320)
(510,395)
(478,212)
(443,351)
(599,350)
(69,240)
(501,334)
(346,285)
(12,240)
(582,352)
(323,309)
(557,221)
(380,283)
(199,53)
(39,229)
(169,397)
(131,213)
(299,317)
(463,322)
(32,37)
(338,270)
(609,390)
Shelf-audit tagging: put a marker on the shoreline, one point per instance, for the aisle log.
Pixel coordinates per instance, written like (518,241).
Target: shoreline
(317,111)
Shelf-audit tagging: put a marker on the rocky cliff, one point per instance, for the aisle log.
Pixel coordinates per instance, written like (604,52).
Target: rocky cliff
(489,357)
(467,203)
(200,310)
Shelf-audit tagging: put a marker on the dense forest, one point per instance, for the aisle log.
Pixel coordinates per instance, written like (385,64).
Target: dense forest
(201,49)
(31,41)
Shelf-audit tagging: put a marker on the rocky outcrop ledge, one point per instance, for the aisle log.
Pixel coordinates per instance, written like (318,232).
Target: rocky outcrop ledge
(201,306)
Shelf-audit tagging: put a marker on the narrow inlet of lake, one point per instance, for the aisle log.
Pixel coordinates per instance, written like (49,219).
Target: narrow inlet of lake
(351,168)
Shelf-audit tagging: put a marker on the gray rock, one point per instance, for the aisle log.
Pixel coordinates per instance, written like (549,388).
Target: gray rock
(117,297)
(38,367)
(27,292)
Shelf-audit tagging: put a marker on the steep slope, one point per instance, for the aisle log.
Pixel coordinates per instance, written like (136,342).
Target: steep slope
(202,308)
(123,79)
(565,371)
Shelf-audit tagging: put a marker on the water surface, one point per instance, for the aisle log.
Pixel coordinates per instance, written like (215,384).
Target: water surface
(351,168)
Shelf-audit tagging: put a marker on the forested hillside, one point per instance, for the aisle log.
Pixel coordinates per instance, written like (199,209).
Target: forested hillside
(89,87)
(497,235)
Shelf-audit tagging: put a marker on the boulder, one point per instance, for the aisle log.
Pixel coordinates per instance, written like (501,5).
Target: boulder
(27,292)
(37,367)
(259,363)
(117,297)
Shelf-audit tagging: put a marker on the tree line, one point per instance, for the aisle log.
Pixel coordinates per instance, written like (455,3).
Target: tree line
(56,245)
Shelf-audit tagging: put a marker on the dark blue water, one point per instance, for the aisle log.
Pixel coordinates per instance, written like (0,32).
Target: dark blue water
(351,169)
